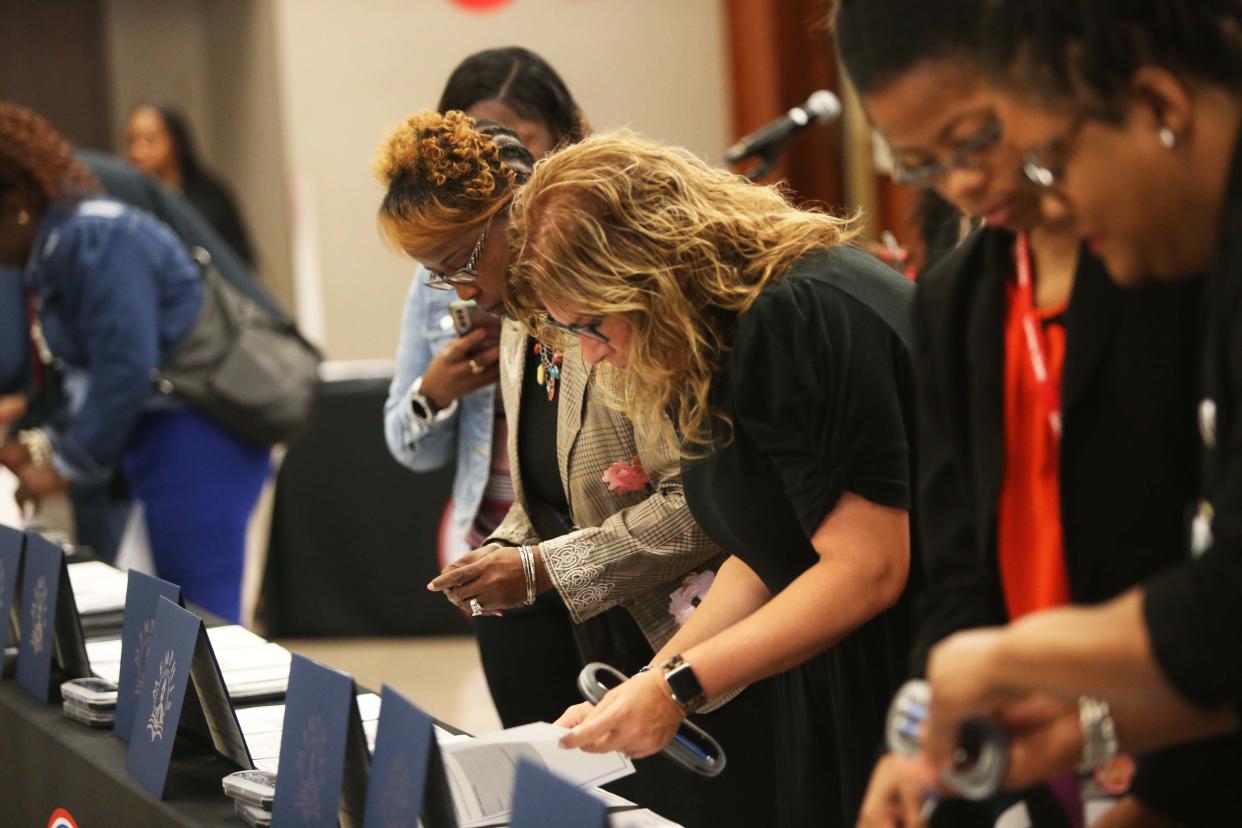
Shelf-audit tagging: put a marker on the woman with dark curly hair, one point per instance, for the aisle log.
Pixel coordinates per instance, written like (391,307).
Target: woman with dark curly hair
(111,292)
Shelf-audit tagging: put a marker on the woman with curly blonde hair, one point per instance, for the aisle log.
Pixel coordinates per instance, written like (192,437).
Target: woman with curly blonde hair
(781,352)
(598,509)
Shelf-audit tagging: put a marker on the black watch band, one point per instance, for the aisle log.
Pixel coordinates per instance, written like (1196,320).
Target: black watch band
(683,684)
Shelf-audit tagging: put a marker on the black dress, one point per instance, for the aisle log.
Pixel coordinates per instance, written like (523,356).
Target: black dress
(819,389)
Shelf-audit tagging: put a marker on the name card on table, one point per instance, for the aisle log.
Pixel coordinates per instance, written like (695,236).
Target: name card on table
(323,753)
(542,799)
(12,543)
(49,621)
(407,774)
(142,596)
(184,695)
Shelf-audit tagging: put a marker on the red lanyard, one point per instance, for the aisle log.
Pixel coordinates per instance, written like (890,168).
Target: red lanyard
(37,343)
(1031,328)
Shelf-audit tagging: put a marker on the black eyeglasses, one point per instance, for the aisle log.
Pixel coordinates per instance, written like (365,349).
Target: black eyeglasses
(588,329)
(965,154)
(1045,166)
(467,274)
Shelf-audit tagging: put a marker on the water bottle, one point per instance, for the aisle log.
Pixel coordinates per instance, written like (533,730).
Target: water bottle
(982,754)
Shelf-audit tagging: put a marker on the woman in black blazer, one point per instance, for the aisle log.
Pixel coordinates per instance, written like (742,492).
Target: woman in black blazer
(1120,367)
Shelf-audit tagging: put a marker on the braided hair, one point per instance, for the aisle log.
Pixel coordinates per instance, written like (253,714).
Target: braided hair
(522,80)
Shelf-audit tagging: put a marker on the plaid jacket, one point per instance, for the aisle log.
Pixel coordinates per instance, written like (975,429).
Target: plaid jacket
(633,548)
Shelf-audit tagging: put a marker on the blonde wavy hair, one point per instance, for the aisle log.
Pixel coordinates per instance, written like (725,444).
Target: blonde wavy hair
(619,225)
(444,174)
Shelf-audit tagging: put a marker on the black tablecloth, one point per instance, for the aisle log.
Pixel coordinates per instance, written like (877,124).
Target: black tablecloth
(354,534)
(49,762)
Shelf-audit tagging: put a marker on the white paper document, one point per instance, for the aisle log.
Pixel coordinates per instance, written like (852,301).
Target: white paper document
(252,666)
(97,587)
(481,771)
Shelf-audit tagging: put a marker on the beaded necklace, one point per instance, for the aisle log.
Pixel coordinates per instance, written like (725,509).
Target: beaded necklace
(549,370)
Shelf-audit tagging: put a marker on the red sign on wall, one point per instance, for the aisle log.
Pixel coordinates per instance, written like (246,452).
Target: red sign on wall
(481,5)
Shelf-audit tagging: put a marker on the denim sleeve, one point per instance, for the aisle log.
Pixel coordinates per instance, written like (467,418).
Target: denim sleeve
(110,299)
(412,442)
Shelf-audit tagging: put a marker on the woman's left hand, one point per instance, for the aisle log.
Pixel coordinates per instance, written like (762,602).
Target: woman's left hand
(638,718)
(492,575)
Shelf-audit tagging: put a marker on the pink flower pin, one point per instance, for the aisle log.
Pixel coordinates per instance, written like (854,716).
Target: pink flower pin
(626,477)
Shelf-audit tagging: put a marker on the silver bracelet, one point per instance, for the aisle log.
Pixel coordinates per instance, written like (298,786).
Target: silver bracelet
(37,445)
(528,569)
(1099,734)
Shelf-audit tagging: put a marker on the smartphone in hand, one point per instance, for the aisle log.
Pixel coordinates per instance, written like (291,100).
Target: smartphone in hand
(467,316)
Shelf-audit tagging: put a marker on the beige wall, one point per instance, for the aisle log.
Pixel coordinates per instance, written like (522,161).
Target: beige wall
(216,61)
(292,97)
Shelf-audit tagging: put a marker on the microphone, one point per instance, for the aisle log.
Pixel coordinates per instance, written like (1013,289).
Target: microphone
(821,108)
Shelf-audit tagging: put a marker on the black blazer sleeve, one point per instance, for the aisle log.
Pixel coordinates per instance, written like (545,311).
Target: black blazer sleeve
(956,594)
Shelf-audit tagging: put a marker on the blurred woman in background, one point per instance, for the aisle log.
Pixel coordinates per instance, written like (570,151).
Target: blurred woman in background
(159,143)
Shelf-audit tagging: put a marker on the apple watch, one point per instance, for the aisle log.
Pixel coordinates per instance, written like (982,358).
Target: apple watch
(683,684)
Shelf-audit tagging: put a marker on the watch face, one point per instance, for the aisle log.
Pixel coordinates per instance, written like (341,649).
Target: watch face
(684,684)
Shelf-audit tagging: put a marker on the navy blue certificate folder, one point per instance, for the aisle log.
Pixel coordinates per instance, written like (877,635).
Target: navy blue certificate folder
(49,621)
(407,773)
(544,800)
(142,595)
(12,543)
(323,752)
(184,694)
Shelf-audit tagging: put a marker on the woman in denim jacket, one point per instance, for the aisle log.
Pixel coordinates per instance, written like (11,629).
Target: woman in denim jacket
(443,402)
(111,293)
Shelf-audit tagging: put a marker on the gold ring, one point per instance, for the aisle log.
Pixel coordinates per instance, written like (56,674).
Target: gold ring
(476,368)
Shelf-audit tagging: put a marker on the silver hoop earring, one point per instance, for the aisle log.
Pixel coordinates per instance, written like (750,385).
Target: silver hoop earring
(1167,137)
(23,218)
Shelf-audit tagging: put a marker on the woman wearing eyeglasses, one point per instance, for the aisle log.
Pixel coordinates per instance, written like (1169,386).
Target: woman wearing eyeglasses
(1129,116)
(599,533)
(443,403)
(780,352)
(1032,494)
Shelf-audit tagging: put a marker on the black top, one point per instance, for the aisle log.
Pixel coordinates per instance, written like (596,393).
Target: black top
(547,506)
(216,204)
(819,389)
(1126,477)
(1194,612)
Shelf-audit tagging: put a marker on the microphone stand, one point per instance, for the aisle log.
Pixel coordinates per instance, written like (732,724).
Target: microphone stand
(767,159)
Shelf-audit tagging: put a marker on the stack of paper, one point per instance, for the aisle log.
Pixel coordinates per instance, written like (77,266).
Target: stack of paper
(99,592)
(253,667)
(261,726)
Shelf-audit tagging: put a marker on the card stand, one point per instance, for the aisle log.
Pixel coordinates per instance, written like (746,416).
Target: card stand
(543,800)
(408,780)
(322,771)
(12,547)
(49,623)
(185,700)
(142,597)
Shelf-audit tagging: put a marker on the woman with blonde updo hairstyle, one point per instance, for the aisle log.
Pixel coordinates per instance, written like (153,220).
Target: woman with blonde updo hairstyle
(781,353)
(599,530)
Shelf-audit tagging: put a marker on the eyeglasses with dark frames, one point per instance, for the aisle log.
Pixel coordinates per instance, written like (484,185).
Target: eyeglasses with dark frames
(467,274)
(1045,166)
(588,329)
(965,154)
